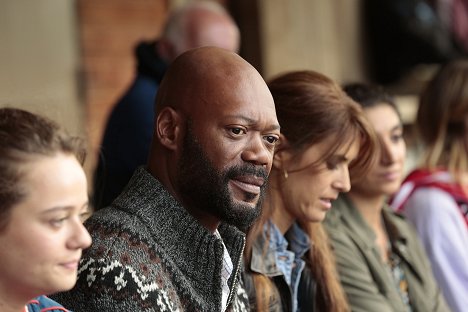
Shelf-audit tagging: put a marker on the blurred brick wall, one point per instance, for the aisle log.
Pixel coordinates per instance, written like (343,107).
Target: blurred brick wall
(108,32)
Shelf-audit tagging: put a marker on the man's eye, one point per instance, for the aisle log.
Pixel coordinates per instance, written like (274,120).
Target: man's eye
(272,139)
(238,131)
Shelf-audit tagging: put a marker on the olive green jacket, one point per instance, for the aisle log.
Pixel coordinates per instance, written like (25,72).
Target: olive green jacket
(365,278)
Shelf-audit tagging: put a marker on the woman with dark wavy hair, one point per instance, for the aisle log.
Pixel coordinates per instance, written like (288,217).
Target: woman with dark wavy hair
(324,135)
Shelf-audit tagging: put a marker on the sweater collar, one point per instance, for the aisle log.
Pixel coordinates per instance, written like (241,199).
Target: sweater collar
(194,250)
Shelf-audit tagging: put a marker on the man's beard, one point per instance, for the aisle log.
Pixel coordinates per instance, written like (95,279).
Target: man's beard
(206,189)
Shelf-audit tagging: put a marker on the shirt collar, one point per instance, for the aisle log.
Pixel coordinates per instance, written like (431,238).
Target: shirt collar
(299,241)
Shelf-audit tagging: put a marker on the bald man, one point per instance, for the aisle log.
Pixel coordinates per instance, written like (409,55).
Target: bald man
(171,240)
(129,129)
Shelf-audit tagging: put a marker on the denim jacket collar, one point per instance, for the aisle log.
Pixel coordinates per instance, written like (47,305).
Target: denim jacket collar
(264,257)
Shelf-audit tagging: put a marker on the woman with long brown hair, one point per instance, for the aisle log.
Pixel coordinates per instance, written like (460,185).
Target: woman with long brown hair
(289,266)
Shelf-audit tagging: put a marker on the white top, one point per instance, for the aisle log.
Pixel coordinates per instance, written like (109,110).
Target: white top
(226,272)
(444,234)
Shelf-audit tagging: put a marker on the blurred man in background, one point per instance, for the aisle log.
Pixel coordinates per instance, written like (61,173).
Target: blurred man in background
(129,129)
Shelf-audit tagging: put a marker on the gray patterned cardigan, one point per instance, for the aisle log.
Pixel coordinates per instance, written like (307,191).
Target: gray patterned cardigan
(150,254)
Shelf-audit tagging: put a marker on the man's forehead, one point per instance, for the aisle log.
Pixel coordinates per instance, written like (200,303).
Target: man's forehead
(240,102)
(247,114)
(228,86)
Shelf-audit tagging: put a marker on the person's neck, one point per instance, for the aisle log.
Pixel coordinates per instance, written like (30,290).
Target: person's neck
(11,303)
(370,207)
(207,220)
(280,215)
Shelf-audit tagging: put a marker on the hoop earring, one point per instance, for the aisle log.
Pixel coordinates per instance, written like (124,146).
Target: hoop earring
(285,173)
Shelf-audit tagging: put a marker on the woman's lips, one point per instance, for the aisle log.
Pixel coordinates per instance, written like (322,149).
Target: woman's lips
(327,202)
(390,175)
(70,265)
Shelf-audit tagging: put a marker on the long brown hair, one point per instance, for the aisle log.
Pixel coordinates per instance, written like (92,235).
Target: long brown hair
(442,118)
(312,108)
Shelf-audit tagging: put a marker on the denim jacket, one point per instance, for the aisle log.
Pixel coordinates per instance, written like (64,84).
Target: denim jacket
(282,261)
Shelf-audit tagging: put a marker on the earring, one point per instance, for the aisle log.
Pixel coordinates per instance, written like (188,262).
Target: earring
(285,173)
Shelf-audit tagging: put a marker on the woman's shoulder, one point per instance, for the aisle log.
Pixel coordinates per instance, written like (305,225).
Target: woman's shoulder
(44,303)
(399,224)
(430,201)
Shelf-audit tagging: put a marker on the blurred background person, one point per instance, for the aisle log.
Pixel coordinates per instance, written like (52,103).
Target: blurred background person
(381,262)
(434,197)
(127,136)
(289,266)
(43,202)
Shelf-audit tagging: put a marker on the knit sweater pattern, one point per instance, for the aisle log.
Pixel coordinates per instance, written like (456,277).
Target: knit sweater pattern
(150,254)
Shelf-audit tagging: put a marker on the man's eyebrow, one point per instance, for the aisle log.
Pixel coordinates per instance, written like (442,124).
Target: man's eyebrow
(274,127)
(251,121)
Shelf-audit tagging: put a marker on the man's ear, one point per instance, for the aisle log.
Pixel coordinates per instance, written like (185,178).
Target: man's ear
(168,128)
(282,154)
